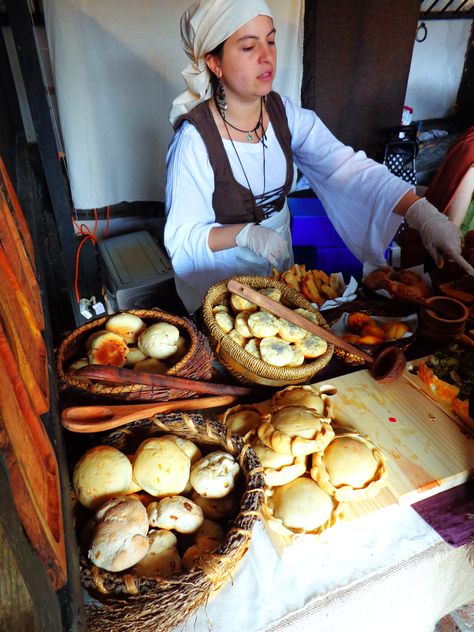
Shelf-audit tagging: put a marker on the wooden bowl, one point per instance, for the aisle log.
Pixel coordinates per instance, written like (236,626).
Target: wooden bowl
(437,327)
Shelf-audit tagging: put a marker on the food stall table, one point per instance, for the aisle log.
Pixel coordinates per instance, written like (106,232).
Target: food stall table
(387,570)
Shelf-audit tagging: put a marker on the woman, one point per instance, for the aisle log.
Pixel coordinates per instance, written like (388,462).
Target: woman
(230,164)
(452,187)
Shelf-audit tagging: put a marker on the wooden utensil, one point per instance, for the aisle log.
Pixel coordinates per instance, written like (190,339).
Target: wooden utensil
(98,418)
(386,367)
(127,376)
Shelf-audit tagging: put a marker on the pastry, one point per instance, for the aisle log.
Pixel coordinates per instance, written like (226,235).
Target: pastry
(312,346)
(241,324)
(240,304)
(290,332)
(275,351)
(262,324)
(225,321)
(295,430)
(308,396)
(278,469)
(302,506)
(350,468)
(242,419)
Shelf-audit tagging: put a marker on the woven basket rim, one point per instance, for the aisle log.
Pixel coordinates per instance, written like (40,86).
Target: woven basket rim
(203,431)
(197,345)
(245,359)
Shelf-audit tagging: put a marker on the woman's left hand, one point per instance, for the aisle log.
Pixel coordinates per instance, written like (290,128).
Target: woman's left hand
(439,235)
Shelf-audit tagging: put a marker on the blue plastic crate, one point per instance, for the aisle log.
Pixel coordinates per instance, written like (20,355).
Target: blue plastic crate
(316,243)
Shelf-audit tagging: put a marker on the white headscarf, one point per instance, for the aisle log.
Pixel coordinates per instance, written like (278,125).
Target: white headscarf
(205,25)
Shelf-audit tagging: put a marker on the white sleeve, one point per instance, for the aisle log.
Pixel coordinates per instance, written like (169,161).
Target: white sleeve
(357,193)
(190,215)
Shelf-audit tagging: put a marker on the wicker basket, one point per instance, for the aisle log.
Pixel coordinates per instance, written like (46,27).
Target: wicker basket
(196,364)
(243,366)
(128,602)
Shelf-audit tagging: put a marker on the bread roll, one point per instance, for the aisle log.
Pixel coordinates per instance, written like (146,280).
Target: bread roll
(211,529)
(175,512)
(134,356)
(108,349)
(151,365)
(162,558)
(91,337)
(129,326)
(216,508)
(120,537)
(289,331)
(161,467)
(204,545)
(101,473)
(225,321)
(312,346)
(214,475)
(159,341)
(241,324)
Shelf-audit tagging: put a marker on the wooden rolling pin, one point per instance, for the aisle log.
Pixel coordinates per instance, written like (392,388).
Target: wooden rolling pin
(128,376)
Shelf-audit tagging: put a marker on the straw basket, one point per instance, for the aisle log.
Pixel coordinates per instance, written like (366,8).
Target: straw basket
(196,364)
(129,602)
(242,365)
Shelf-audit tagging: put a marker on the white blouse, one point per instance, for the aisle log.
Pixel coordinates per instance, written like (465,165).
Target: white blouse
(357,193)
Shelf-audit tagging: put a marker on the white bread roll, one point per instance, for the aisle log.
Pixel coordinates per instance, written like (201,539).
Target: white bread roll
(162,559)
(159,341)
(134,356)
(129,326)
(120,537)
(101,473)
(215,474)
(151,365)
(216,508)
(175,512)
(161,467)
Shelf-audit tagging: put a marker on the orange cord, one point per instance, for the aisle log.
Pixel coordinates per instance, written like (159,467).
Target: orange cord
(88,234)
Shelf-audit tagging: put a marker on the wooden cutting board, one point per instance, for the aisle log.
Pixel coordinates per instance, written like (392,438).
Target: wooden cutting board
(427,450)
(24,336)
(32,468)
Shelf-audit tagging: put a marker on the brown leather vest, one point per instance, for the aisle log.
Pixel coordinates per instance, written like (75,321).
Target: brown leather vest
(232,202)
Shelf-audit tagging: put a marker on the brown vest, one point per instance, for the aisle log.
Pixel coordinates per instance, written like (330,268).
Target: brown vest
(232,202)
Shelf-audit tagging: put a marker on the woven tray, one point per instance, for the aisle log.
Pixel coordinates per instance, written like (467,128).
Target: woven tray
(196,364)
(243,366)
(134,603)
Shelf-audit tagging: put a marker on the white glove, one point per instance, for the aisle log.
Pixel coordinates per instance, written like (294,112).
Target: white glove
(264,242)
(438,234)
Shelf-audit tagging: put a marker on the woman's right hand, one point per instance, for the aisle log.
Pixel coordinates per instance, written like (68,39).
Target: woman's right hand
(264,242)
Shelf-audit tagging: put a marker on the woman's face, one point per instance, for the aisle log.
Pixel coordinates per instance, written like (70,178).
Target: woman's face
(248,63)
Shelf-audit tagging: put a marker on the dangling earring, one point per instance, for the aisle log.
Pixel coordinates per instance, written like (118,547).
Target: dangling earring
(220,98)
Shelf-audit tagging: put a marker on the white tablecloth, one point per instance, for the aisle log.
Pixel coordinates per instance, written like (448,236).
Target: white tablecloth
(386,571)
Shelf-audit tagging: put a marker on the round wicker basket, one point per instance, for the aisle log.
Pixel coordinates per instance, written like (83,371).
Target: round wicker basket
(128,602)
(196,364)
(243,366)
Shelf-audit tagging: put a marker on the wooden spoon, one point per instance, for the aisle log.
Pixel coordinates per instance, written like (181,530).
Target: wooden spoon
(98,418)
(386,367)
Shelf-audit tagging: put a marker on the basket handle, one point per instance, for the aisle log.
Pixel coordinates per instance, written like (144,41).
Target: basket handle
(128,376)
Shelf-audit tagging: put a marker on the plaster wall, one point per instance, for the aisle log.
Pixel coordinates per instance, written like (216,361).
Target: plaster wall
(436,69)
